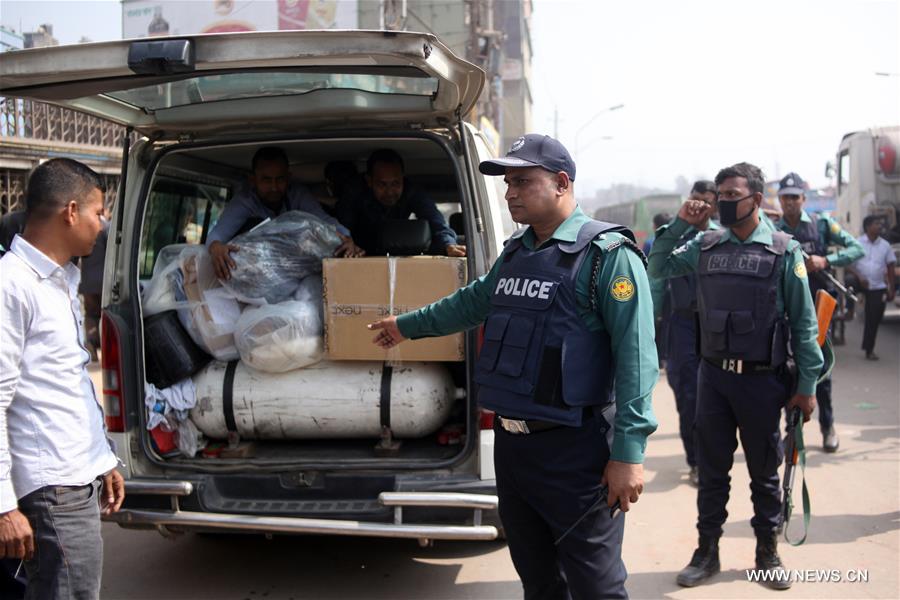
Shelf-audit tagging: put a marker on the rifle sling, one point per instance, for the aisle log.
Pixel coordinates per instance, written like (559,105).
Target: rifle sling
(801,452)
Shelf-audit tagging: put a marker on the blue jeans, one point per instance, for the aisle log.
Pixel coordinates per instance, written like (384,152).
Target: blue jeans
(68,555)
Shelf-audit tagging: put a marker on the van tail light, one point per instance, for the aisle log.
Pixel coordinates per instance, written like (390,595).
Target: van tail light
(111,365)
(485,416)
(485,419)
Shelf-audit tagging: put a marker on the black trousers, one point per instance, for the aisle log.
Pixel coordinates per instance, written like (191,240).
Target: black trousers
(681,372)
(749,405)
(545,482)
(875,301)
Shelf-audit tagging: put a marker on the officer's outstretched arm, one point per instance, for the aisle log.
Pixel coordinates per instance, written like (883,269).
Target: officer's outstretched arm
(464,309)
(388,334)
(852,249)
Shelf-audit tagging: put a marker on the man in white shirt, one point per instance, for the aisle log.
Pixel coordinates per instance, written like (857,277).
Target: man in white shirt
(57,469)
(875,272)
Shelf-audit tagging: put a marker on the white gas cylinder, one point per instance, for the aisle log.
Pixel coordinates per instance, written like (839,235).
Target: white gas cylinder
(325,400)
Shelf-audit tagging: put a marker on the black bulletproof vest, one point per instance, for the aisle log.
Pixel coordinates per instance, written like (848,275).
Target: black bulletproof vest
(737,287)
(810,238)
(812,242)
(539,360)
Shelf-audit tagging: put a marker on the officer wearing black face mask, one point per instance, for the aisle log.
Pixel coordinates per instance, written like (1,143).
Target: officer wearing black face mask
(815,234)
(752,296)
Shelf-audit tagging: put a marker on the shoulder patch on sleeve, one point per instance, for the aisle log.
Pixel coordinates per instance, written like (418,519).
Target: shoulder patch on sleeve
(835,228)
(610,241)
(800,270)
(622,289)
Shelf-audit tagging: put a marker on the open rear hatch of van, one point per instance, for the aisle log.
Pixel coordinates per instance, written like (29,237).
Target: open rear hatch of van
(262,81)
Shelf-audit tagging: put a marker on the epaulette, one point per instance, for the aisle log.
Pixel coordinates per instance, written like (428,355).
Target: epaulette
(781,241)
(609,243)
(711,237)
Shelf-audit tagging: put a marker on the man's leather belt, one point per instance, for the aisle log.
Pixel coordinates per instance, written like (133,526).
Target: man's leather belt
(740,367)
(526,426)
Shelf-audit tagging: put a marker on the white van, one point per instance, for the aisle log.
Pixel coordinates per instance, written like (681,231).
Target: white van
(199,107)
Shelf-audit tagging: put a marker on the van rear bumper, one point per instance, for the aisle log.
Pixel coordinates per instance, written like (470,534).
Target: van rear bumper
(179,520)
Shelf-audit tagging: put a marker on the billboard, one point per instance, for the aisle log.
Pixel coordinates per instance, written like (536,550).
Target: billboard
(148,18)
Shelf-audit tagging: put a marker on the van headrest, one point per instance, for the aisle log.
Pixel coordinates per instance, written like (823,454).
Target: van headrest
(402,237)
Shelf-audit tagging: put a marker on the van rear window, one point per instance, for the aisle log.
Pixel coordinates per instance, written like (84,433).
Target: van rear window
(232,86)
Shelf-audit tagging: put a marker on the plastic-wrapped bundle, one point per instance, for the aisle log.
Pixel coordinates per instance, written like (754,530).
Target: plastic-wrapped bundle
(188,284)
(280,337)
(311,291)
(213,311)
(162,293)
(274,257)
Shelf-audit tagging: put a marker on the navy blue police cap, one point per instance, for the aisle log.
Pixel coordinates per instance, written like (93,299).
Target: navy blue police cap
(532,150)
(791,185)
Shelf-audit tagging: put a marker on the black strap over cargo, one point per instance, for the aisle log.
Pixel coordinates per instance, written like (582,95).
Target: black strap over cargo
(387,373)
(228,396)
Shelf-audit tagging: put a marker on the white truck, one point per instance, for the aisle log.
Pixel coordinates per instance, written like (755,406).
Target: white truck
(867,170)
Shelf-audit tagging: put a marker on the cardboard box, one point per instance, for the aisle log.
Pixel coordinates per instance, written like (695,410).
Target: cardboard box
(359,291)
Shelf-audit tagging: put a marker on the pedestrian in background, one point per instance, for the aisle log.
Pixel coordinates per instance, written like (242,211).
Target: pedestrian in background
(11,223)
(57,468)
(568,342)
(683,362)
(91,287)
(659,292)
(875,272)
(816,234)
(752,297)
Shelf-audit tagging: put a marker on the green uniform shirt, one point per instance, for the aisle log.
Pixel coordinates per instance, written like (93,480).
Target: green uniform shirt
(830,234)
(628,321)
(793,298)
(659,288)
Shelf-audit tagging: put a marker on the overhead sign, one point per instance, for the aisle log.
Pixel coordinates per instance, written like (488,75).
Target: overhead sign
(149,18)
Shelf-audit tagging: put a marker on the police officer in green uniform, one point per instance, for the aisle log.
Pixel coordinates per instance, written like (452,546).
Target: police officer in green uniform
(752,296)
(683,362)
(815,234)
(568,366)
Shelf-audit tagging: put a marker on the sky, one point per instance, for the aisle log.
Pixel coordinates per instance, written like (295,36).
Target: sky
(704,83)
(707,84)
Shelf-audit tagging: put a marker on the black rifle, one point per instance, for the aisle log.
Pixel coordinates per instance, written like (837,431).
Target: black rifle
(830,278)
(794,452)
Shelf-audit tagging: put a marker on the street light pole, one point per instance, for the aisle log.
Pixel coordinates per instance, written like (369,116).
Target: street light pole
(591,120)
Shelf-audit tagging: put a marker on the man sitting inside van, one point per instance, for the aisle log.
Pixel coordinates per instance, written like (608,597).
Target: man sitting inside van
(389,198)
(271,193)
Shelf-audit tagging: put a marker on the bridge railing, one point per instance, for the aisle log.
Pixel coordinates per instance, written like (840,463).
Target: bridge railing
(32,131)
